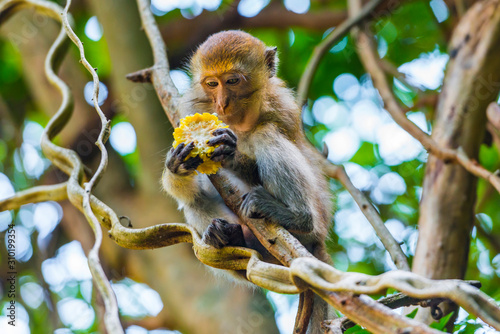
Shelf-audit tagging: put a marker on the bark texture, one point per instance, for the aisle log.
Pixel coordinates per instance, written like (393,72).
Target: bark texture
(194,302)
(472,81)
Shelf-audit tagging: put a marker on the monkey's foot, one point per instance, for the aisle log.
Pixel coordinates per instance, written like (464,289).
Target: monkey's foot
(256,203)
(220,233)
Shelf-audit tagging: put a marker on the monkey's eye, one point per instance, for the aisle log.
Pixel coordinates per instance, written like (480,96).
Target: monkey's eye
(233,81)
(212,83)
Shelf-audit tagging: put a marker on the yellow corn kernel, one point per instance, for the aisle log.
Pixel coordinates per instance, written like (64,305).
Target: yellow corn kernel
(198,128)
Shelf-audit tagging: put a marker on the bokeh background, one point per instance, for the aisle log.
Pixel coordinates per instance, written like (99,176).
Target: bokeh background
(167,289)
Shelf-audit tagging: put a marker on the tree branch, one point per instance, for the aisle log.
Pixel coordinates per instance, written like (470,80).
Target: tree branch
(394,301)
(275,15)
(370,60)
(392,246)
(56,192)
(289,251)
(320,50)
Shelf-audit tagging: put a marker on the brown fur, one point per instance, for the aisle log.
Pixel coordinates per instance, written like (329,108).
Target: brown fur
(229,51)
(233,75)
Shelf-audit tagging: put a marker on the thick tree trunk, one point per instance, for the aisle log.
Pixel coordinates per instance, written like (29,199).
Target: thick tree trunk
(472,81)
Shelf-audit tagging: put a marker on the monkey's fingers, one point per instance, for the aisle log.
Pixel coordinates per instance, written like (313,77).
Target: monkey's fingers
(222,152)
(187,167)
(192,163)
(172,163)
(221,233)
(174,158)
(174,151)
(224,130)
(251,201)
(183,154)
(177,165)
(223,136)
(215,234)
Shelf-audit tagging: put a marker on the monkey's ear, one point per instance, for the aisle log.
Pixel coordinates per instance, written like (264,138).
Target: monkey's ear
(271,60)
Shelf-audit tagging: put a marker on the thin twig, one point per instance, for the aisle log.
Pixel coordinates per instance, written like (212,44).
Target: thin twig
(323,47)
(143,76)
(392,246)
(370,60)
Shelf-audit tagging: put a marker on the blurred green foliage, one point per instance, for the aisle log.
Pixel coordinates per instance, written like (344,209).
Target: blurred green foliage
(406,34)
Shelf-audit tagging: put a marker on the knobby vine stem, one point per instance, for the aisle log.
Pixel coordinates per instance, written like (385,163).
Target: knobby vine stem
(111,317)
(67,160)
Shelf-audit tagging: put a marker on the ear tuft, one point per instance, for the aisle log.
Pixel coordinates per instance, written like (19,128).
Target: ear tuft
(271,60)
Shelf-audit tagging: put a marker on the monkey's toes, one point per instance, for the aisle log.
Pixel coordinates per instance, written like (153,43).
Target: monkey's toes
(249,206)
(216,234)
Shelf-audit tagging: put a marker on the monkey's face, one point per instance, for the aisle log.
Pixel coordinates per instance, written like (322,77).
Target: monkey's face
(230,93)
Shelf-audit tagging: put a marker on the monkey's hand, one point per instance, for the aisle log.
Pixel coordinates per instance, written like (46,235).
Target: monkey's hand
(176,160)
(226,139)
(220,233)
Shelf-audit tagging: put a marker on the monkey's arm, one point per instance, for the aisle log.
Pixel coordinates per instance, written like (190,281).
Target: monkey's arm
(203,207)
(287,182)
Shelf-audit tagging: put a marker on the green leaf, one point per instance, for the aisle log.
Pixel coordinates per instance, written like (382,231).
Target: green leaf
(412,314)
(442,322)
(365,156)
(357,330)
(488,156)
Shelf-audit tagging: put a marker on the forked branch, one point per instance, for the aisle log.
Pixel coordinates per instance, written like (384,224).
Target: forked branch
(370,59)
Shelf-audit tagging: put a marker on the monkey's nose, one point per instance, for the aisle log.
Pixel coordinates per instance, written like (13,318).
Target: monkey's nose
(222,105)
(220,109)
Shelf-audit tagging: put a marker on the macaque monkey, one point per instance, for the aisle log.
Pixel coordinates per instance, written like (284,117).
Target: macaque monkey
(264,151)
